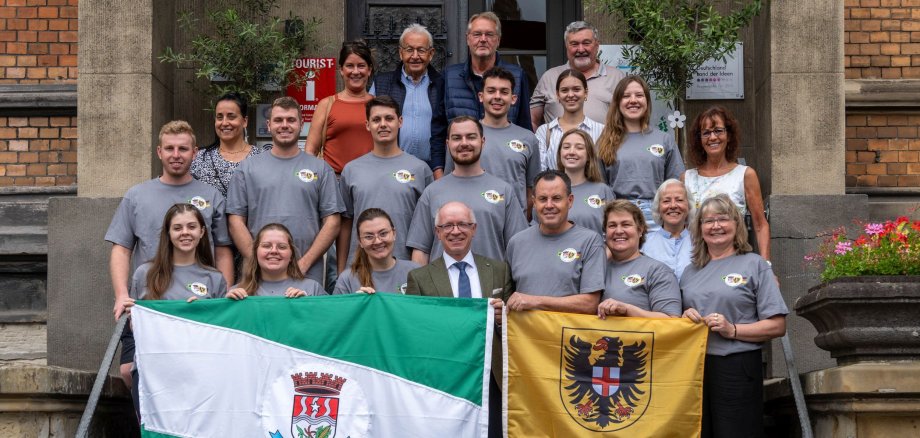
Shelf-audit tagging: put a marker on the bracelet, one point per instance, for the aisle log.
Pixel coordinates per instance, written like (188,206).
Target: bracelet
(735,332)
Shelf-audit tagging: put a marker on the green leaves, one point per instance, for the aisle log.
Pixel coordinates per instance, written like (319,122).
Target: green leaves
(239,47)
(673,38)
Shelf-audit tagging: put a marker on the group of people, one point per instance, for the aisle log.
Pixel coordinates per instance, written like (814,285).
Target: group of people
(436,184)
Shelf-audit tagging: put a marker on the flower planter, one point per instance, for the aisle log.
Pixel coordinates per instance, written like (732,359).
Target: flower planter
(870,318)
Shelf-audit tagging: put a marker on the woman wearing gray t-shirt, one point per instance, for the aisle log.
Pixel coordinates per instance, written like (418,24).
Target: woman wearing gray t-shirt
(273,270)
(634,284)
(374,268)
(733,291)
(637,157)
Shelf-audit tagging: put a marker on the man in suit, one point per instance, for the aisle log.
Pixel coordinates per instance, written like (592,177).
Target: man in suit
(461,274)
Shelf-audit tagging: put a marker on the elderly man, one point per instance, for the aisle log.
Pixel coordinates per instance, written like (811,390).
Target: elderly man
(419,90)
(581,46)
(557,265)
(463,82)
(460,273)
(492,200)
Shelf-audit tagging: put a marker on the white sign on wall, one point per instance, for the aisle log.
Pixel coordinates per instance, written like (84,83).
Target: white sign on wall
(720,80)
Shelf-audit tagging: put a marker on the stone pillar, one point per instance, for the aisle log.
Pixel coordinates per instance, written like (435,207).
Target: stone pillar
(124,96)
(799,87)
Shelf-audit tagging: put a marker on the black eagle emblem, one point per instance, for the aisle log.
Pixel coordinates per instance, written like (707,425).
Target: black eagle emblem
(607,390)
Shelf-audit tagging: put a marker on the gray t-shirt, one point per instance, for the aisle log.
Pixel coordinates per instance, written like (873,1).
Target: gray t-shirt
(557,265)
(588,208)
(393,184)
(278,288)
(297,192)
(645,283)
(392,280)
(741,287)
(498,213)
(644,161)
(139,217)
(511,153)
(187,281)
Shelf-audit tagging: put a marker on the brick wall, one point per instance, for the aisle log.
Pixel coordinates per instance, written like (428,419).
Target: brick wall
(38,151)
(883,150)
(882,39)
(38,41)
(38,46)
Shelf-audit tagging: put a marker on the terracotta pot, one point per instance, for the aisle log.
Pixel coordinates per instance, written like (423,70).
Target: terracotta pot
(870,318)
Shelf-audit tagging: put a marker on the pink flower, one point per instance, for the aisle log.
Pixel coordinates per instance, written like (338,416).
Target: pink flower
(844,247)
(874,229)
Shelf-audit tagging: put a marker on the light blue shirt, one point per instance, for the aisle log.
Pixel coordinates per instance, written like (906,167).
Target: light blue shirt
(672,251)
(415,134)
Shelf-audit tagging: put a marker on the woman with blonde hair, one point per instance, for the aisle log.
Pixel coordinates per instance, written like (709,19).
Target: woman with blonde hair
(273,270)
(374,268)
(576,157)
(734,292)
(637,158)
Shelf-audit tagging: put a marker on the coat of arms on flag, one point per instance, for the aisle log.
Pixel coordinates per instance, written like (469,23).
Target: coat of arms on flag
(316,404)
(580,376)
(605,381)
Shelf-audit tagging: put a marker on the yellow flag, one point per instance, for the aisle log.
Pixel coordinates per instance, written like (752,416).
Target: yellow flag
(570,375)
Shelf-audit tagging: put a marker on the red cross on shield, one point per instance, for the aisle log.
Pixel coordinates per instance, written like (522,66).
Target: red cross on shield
(605,380)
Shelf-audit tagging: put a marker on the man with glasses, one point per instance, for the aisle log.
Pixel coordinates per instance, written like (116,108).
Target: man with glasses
(418,88)
(581,47)
(463,82)
(385,178)
(491,199)
(461,273)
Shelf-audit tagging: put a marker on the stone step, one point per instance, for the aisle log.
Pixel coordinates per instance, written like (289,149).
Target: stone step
(23,239)
(885,208)
(19,212)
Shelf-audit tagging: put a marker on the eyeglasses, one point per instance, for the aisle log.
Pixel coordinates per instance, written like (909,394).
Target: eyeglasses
(488,35)
(370,237)
(718,133)
(421,51)
(463,226)
(721,220)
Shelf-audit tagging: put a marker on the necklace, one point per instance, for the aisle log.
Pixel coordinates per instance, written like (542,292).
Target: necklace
(241,150)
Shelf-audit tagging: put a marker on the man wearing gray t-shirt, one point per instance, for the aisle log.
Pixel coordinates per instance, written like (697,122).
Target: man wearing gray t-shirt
(498,213)
(135,228)
(557,265)
(289,187)
(510,152)
(385,178)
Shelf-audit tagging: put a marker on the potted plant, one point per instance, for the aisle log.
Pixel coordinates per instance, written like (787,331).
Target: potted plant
(868,306)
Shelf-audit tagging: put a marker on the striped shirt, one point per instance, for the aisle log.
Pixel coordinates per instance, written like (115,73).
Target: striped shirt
(548,151)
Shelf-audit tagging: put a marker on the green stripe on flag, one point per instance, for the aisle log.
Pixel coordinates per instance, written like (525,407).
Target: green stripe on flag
(149,434)
(437,342)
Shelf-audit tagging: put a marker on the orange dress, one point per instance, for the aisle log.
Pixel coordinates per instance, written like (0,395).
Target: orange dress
(347,136)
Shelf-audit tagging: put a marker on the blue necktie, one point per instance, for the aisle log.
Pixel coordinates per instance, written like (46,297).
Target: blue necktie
(463,285)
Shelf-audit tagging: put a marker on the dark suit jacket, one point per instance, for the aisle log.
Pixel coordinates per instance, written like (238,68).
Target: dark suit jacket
(432,281)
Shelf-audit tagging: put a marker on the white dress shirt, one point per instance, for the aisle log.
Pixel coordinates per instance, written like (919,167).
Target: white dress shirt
(454,274)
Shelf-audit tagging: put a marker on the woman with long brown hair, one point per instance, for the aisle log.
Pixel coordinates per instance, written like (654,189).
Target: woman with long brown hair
(576,157)
(374,268)
(637,158)
(273,270)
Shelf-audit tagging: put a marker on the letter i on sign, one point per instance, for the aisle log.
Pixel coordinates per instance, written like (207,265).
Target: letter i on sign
(310,88)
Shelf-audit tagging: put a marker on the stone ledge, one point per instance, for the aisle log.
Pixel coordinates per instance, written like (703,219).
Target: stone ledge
(882,93)
(52,382)
(19,97)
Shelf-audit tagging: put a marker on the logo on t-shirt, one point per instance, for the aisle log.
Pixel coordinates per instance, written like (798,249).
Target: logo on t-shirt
(594,201)
(633,280)
(307,175)
(402,288)
(656,150)
(199,202)
(517,146)
(734,280)
(197,289)
(404,176)
(493,197)
(569,255)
